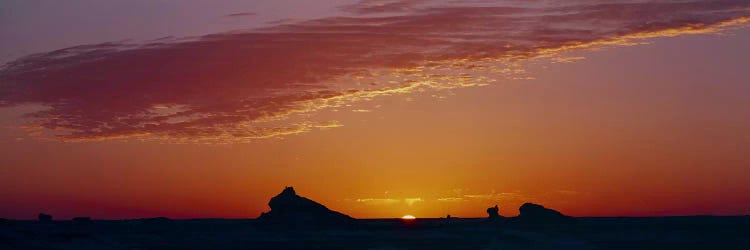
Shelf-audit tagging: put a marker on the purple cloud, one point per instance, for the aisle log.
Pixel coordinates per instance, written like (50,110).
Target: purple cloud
(235,87)
(241,14)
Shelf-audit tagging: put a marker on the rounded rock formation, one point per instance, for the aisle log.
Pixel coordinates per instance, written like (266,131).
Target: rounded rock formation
(44,217)
(290,209)
(538,214)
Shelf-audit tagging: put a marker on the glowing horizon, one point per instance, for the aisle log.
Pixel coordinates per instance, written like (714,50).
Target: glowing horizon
(375,108)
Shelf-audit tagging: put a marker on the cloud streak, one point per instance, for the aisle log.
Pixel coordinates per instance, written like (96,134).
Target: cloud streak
(382,6)
(241,14)
(241,86)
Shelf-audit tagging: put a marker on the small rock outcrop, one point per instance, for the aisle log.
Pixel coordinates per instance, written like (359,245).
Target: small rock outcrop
(537,214)
(82,220)
(290,209)
(157,220)
(493,213)
(44,217)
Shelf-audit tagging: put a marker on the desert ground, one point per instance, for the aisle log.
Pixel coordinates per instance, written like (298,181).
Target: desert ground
(456,233)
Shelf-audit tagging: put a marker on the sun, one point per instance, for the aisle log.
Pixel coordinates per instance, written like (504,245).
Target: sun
(408,217)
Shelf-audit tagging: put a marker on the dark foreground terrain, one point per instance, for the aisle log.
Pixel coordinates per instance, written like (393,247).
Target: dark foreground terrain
(586,233)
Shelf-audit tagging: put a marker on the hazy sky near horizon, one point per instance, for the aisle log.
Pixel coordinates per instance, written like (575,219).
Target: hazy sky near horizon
(375,108)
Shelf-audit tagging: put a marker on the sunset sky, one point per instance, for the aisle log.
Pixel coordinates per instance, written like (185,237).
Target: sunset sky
(375,108)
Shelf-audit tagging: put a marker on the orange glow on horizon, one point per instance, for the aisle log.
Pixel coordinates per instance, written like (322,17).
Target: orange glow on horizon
(437,110)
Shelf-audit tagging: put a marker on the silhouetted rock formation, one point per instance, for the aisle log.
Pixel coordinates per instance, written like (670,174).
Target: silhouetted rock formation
(157,220)
(45,217)
(533,213)
(288,208)
(82,220)
(493,213)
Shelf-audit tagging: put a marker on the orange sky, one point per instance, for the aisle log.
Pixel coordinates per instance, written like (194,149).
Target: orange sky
(593,125)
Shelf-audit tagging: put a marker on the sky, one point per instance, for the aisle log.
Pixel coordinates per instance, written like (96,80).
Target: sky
(375,108)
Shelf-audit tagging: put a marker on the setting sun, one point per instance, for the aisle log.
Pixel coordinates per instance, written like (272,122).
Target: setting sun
(408,217)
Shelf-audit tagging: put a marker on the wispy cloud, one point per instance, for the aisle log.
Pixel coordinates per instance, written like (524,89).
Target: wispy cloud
(451,199)
(485,197)
(241,14)
(378,201)
(382,6)
(388,201)
(242,86)
(457,196)
(567,59)
(411,201)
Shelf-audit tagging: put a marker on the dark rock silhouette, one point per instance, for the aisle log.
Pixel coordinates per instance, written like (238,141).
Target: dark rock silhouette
(493,213)
(290,209)
(82,220)
(538,214)
(44,217)
(157,220)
